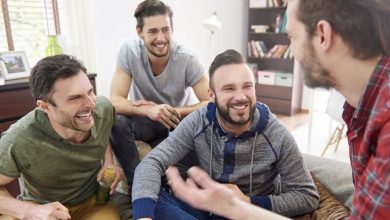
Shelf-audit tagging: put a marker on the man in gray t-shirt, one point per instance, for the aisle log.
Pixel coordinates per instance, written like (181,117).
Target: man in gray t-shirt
(157,82)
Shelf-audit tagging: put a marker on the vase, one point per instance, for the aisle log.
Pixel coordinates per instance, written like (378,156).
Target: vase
(52,46)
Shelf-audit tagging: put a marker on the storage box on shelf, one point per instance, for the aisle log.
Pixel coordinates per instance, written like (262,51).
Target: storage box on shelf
(269,48)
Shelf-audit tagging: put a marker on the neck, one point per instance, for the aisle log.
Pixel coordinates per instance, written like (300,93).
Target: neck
(158,64)
(70,135)
(352,76)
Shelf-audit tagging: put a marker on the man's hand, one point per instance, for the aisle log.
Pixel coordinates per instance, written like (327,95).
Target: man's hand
(118,176)
(238,192)
(168,116)
(50,211)
(200,191)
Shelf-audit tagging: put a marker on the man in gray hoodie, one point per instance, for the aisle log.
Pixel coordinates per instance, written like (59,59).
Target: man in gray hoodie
(239,143)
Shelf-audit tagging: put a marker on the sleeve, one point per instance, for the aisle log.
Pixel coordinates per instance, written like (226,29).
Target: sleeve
(194,71)
(371,199)
(147,177)
(299,194)
(8,165)
(123,58)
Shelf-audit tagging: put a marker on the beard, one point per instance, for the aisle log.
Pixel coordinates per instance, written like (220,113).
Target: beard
(149,47)
(315,76)
(225,116)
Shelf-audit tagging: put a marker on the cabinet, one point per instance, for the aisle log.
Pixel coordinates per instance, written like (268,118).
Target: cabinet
(284,94)
(16,101)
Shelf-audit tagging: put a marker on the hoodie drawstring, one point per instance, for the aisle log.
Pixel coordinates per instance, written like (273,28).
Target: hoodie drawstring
(211,150)
(251,167)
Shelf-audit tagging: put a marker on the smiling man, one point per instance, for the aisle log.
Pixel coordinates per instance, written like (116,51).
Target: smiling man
(239,143)
(157,83)
(60,149)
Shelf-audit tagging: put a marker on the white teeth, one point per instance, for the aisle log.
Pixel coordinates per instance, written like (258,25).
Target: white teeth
(160,45)
(83,115)
(239,106)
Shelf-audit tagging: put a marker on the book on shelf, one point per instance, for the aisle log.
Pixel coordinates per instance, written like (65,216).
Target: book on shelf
(257,3)
(257,49)
(277,51)
(276,3)
(259,28)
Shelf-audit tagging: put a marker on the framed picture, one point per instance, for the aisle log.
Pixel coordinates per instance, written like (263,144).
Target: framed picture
(14,65)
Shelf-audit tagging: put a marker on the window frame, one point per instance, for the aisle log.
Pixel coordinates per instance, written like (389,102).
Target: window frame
(8,28)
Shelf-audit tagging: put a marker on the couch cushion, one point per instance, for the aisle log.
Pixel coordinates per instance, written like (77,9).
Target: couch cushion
(334,175)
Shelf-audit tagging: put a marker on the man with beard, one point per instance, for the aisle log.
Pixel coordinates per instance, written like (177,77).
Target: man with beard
(345,45)
(61,149)
(157,83)
(239,143)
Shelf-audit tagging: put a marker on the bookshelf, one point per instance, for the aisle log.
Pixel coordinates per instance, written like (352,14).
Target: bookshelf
(277,84)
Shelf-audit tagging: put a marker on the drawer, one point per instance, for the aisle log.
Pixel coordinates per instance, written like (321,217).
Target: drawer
(284,79)
(15,104)
(266,77)
(277,106)
(279,92)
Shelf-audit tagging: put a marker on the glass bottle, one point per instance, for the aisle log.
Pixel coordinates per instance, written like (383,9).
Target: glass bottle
(103,192)
(52,46)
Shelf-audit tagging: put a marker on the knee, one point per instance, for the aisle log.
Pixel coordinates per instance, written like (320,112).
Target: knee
(123,125)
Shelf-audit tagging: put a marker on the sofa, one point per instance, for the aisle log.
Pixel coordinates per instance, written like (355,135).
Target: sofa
(332,178)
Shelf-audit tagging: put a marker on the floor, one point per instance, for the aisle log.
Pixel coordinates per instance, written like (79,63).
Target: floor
(312,132)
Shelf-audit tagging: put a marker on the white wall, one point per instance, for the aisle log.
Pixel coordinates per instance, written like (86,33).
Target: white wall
(94,30)
(112,23)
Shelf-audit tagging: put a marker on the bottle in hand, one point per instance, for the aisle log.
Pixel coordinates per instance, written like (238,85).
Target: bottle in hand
(103,192)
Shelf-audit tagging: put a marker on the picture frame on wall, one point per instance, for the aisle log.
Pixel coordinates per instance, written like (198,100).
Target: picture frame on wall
(14,65)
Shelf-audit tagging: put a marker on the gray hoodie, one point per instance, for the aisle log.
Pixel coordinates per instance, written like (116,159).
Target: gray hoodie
(264,162)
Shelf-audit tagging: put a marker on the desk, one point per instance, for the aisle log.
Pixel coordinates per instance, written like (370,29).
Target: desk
(15,102)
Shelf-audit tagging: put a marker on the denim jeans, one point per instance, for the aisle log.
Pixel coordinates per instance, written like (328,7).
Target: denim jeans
(125,132)
(169,207)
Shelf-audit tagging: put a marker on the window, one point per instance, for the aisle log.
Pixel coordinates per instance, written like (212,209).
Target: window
(25,24)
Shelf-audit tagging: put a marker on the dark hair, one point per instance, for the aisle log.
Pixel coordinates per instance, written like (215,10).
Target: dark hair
(362,24)
(149,8)
(48,70)
(225,58)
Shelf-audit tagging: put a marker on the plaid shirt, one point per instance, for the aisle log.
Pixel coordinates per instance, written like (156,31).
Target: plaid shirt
(369,146)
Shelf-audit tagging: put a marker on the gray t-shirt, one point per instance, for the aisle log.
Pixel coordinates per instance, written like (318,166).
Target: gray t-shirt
(172,86)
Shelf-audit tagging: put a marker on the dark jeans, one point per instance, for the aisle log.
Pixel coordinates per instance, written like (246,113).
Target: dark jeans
(127,130)
(169,207)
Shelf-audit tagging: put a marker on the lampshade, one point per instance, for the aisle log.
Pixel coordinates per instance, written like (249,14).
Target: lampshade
(212,23)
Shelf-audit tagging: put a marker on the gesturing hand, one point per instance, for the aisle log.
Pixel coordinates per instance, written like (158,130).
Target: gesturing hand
(50,211)
(168,116)
(200,191)
(238,192)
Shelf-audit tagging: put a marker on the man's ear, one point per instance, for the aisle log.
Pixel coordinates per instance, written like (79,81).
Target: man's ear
(43,105)
(211,94)
(326,35)
(139,32)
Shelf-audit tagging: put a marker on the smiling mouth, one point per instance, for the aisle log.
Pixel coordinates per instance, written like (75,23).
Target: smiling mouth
(84,115)
(239,107)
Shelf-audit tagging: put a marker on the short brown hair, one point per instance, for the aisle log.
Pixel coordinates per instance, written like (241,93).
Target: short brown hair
(362,24)
(48,70)
(225,58)
(150,8)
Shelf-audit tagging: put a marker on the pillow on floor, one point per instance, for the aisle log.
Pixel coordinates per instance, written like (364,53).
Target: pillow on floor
(329,208)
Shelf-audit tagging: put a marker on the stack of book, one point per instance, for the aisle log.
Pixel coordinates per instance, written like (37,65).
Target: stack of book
(259,49)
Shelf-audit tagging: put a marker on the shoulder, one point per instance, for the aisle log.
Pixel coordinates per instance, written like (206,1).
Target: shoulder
(25,128)
(182,51)
(104,108)
(132,47)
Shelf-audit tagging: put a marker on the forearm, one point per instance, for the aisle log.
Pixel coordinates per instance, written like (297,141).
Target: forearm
(244,211)
(108,156)
(185,110)
(125,107)
(11,206)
